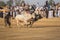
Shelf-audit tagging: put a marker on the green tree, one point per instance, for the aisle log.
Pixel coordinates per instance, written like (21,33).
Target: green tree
(10,2)
(2,3)
(18,2)
(51,2)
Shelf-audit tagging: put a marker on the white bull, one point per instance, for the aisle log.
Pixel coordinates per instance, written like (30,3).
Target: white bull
(24,19)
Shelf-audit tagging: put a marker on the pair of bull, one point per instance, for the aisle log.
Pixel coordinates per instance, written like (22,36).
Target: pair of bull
(24,19)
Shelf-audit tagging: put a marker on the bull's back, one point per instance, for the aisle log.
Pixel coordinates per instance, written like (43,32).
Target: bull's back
(19,17)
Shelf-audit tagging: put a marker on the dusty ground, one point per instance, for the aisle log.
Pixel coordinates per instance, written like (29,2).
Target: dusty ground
(43,29)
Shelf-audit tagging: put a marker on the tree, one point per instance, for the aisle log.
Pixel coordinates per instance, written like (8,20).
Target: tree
(51,2)
(10,2)
(18,2)
(2,3)
(22,1)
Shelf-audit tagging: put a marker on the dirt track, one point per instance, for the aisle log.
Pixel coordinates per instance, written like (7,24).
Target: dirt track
(46,33)
(43,29)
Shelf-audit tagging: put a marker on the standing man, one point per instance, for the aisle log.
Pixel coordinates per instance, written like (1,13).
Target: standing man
(7,19)
(47,8)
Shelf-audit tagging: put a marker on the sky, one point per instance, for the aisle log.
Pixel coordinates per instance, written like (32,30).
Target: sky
(41,2)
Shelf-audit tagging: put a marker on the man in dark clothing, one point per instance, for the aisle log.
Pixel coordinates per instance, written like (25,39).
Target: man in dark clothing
(1,14)
(7,19)
(47,8)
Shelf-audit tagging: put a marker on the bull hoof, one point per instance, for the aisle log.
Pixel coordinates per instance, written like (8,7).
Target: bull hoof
(10,27)
(30,26)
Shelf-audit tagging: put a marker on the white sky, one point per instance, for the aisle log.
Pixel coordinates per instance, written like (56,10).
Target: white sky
(41,2)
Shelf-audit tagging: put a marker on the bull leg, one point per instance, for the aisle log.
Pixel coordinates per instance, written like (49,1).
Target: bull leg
(31,23)
(5,23)
(22,24)
(26,23)
(17,22)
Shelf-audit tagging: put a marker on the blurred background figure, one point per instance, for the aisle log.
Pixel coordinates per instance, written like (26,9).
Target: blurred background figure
(7,19)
